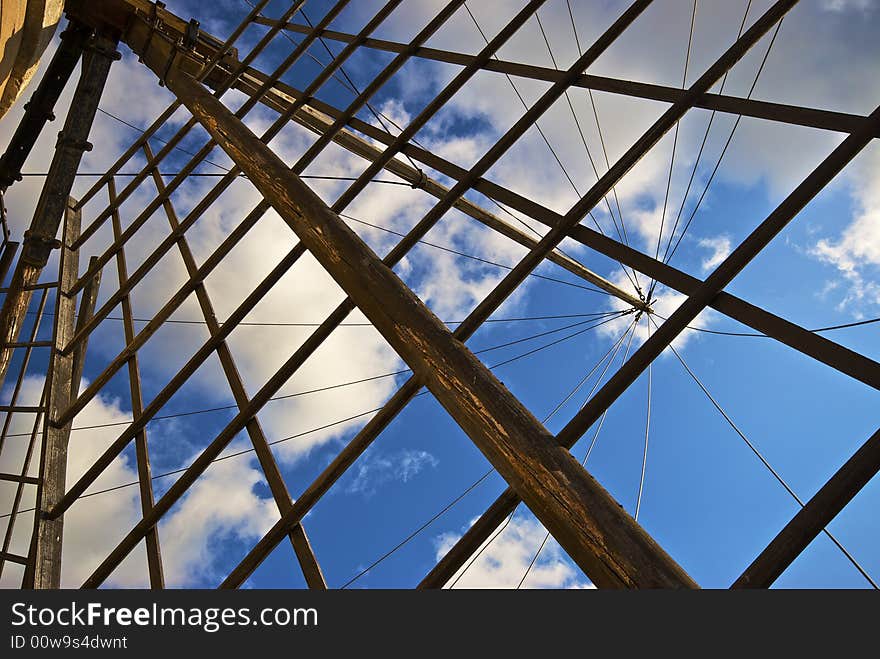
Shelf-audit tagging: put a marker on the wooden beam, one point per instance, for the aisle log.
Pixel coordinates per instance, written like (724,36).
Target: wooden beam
(791,114)
(593,528)
(40,239)
(39,109)
(818,513)
(322,124)
(155,568)
(46,571)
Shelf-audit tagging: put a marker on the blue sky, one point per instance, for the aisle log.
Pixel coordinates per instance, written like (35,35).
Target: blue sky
(706,498)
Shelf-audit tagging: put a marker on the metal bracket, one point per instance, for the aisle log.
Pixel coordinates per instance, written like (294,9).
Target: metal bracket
(421,181)
(37,248)
(191,37)
(154,24)
(80,145)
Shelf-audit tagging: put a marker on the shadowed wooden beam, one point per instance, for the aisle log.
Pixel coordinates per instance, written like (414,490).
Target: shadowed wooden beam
(155,568)
(41,238)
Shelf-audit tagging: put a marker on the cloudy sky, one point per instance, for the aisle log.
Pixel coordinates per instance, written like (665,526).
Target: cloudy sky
(706,497)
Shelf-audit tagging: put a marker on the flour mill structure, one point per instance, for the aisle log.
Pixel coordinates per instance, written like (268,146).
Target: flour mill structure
(198,68)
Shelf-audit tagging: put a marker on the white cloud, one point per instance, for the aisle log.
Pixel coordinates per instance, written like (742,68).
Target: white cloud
(375,469)
(221,504)
(763,153)
(855,252)
(719,250)
(504,560)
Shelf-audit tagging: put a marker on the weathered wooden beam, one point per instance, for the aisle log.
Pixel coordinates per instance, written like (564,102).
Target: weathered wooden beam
(569,435)
(53,458)
(466,329)
(818,512)
(40,109)
(40,239)
(607,543)
(791,114)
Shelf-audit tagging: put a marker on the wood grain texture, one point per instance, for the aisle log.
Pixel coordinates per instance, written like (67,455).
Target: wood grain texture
(590,525)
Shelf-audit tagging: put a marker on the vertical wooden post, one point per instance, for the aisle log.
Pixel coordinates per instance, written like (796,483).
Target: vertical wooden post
(53,459)
(86,310)
(142,450)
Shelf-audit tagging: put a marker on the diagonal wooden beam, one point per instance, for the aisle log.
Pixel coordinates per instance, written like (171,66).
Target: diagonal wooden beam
(316,116)
(841,122)
(813,517)
(299,541)
(323,124)
(606,542)
(155,568)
